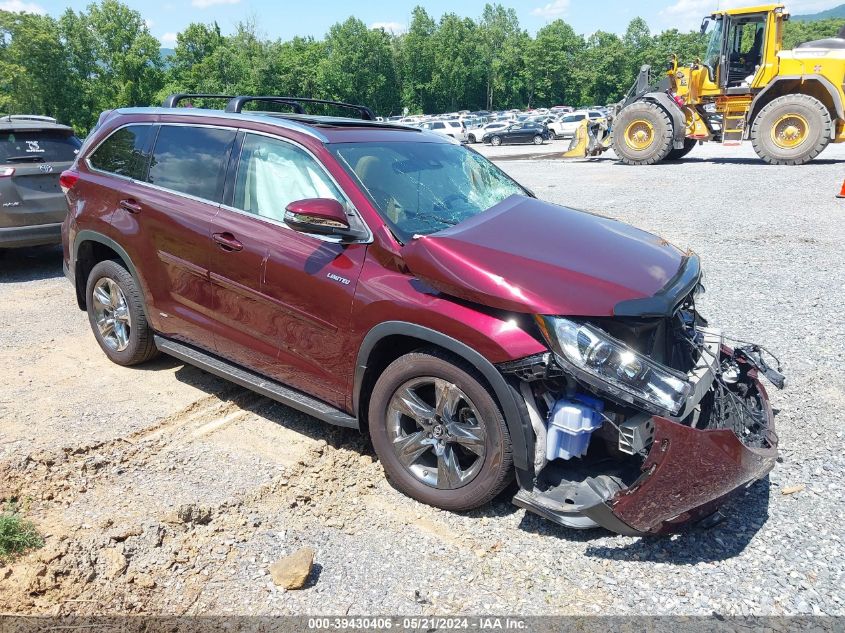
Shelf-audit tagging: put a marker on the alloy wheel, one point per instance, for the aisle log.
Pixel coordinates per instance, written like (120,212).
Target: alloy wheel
(111,314)
(436,433)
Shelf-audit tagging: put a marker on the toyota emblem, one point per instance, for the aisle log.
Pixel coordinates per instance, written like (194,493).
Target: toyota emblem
(46,169)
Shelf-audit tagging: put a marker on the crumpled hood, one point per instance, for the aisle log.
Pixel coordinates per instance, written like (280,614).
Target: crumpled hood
(525,255)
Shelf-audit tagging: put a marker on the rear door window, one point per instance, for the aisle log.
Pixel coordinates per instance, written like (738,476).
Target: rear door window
(38,146)
(125,153)
(191,160)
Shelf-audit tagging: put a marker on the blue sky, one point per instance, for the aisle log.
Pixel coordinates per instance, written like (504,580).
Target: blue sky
(288,18)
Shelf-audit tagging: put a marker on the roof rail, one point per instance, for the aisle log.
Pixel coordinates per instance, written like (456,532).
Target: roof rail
(29,117)
(237,103)
(173,100)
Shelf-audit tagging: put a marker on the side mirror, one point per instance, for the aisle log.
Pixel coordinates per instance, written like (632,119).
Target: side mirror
(322,216)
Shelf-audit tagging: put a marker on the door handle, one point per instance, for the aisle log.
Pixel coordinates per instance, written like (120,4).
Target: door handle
(227,242)
(130,205)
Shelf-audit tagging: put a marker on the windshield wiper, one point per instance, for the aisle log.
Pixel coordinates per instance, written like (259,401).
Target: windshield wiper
(444,220)
(25,159)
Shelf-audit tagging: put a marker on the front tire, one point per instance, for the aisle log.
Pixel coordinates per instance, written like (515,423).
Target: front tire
(116,314)
(438,432)
(495,141)
(642,134)
(791,130)
(538,140)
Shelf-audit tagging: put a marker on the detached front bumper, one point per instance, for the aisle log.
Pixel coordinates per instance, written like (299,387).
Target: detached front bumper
(687,475)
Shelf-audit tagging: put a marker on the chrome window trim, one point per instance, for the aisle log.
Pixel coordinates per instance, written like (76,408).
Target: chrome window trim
(349,204)
(187,196)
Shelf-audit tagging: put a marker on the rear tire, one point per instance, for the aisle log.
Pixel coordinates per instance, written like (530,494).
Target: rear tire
(678,154)
(791,130)
(116,315)
(444,473)
(642,134)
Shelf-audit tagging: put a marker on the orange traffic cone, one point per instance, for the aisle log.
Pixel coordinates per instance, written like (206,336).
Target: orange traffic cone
(841,194)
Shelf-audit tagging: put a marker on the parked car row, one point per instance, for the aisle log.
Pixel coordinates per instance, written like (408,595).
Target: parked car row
(499,127)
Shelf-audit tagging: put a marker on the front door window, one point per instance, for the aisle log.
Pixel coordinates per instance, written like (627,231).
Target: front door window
(273,173)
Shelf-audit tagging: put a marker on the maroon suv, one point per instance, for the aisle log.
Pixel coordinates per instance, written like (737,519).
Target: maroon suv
(389,279)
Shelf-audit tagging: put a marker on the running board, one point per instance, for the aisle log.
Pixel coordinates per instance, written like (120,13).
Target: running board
(257,383)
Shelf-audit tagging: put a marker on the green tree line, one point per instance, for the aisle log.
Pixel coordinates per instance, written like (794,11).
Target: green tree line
(75,66)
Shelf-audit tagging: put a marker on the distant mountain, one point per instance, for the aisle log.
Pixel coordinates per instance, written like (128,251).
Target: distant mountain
(168,52)
(835,12)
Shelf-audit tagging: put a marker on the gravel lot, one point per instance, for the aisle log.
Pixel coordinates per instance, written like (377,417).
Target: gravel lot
(166,490)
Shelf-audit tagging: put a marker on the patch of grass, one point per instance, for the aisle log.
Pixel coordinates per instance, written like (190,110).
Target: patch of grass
(16,533)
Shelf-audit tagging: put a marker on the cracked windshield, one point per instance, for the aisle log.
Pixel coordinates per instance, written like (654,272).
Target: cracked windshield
(422,188)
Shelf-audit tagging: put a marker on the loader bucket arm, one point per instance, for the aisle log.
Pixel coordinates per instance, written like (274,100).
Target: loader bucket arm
(578,146)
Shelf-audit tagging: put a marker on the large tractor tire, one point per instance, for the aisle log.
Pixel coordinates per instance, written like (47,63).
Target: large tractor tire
(642,134)
(678,154)
(791,130)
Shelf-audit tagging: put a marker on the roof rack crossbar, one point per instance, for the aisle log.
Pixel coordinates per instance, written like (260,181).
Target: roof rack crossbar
(173,100)
(237,103)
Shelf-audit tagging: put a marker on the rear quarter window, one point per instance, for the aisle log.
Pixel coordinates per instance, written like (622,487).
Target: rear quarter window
(191,160)
(38,146)
(125,152)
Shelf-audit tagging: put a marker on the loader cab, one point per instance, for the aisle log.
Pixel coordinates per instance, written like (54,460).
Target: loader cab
(742,47)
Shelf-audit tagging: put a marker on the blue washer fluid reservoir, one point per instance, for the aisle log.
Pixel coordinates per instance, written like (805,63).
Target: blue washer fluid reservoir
(571,424)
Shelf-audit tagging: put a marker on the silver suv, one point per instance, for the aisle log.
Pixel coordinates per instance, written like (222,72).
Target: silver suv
(34,151)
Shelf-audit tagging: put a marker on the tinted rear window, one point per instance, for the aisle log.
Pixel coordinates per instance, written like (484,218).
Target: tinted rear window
(191,160)
(125,153)
(38,146)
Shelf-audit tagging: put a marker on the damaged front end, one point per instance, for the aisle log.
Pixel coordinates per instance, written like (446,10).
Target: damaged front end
(642,423)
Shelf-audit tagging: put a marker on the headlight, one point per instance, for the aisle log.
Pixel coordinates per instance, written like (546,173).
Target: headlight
(611,365)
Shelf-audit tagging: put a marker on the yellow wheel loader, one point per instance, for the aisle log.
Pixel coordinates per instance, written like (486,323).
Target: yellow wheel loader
(788,103)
